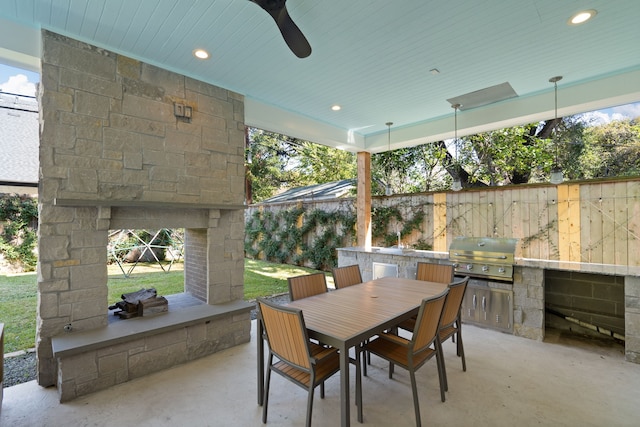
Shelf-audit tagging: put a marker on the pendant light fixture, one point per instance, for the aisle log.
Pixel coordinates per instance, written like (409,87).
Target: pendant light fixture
(388,191)
(457,183)
(556,171)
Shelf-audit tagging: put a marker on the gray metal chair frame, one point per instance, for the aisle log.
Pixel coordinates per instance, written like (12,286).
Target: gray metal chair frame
(298,359)
(451,323)
(414,353)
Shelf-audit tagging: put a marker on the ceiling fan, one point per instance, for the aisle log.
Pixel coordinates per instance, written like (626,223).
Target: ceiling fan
(289,30)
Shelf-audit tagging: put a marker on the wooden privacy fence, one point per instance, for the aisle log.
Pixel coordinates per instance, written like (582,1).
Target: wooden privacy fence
(591,221)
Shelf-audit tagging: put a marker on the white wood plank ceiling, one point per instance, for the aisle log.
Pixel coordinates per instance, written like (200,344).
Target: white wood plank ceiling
(372,57)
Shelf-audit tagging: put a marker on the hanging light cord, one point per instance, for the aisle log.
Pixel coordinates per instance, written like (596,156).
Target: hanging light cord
(555,81)
(388,190)
(455,129)
(389,134)
(555,89)
(455,135)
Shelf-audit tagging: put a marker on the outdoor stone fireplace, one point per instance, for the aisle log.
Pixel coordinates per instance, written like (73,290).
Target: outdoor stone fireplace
(113,154)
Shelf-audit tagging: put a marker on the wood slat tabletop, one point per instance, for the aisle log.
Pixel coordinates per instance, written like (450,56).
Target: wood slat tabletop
(360,311)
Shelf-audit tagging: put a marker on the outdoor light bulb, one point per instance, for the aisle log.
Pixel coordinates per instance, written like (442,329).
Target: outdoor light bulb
(336,107)
(582,16)
(201,54)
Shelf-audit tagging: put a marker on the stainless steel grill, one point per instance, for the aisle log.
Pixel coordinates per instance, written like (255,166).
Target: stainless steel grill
(491,258)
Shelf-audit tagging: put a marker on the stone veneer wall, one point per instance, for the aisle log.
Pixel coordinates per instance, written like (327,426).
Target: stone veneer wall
(196,241)
(632,318)
(528,302)
(109,138)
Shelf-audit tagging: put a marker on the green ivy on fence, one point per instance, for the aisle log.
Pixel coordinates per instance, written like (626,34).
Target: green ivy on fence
(298,237)
(382,218)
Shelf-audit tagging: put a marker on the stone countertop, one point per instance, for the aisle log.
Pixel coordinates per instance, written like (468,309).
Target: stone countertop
(583,267)
(416,253)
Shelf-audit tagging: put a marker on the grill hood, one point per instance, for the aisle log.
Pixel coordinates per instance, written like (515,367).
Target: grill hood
(483,257)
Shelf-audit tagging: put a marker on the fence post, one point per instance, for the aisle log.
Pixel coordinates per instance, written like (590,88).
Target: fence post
(440,222)
(569,222)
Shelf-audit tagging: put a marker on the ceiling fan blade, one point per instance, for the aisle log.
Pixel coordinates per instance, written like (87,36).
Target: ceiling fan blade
(292,35)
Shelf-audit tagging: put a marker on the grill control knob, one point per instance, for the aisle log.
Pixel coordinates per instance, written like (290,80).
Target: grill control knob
(455,265)
(501,270)
(469,267)
(485,268)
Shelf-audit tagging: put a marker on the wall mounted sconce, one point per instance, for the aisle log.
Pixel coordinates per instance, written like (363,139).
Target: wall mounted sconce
(182,111)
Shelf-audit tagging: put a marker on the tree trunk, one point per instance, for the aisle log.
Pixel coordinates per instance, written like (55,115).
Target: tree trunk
(455,170)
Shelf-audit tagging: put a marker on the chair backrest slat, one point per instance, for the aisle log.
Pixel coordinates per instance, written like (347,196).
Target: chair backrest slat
(346,276)
(286,333)
(454,301)
(441,273)
(428,321)
(307,285)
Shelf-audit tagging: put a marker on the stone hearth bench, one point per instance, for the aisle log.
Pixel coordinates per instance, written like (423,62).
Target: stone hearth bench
(93,360)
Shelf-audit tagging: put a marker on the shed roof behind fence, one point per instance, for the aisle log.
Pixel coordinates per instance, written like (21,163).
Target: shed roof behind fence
(328,190)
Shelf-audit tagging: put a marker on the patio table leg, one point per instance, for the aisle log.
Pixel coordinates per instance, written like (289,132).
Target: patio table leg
(344,386)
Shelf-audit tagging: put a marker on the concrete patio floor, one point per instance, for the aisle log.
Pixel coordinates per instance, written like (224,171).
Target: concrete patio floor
(564,381)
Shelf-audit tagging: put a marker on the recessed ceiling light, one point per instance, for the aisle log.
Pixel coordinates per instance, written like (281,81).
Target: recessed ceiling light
(582,16)
(336,107)
(434,71)
(201,54)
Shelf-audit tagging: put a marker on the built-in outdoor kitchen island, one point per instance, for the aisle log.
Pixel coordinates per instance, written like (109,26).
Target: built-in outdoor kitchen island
(612,291)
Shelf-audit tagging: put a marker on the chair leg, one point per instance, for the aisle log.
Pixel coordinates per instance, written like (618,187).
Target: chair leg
(416,404)
(391,365)
(461,351)
(442,372)
(310,401)
(322,390)
(265,399)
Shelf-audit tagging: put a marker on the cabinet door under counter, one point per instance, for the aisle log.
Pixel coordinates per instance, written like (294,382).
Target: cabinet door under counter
(489,307)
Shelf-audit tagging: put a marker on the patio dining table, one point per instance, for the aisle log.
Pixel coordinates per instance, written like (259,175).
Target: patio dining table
(346,317)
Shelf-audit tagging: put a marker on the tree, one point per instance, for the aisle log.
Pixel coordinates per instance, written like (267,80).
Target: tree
(392,169)
(319,164)
(266,164)
(275,162)
(516,155)
(429,174)
(612,149)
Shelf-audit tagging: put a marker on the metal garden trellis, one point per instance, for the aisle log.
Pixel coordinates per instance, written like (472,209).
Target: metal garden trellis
(118,251)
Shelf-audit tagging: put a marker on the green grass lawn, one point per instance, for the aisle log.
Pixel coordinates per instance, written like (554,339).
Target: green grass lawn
(18,293)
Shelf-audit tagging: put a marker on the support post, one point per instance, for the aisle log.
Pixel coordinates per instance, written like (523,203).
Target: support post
(363,200)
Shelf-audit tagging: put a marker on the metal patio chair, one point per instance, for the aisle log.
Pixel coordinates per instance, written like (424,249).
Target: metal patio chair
(297,359)
(413,353)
